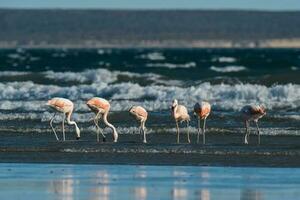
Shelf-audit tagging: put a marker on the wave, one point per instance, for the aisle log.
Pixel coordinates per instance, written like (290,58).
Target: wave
(158,97)
(153,56)
(228,69)
(172,65)
(224,59)
(13,73)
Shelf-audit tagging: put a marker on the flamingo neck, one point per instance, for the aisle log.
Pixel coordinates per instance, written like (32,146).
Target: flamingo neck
(73,123)
(115,134)
(175,111)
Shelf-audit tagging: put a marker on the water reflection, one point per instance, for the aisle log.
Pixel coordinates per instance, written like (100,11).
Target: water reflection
(204,194)
(101,190)
(179,193)
(251,194)
(140,193)
(64,189)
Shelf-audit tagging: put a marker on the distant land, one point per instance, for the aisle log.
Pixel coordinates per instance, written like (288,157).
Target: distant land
(148,28)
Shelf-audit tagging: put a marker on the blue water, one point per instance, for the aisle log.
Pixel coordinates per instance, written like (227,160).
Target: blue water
(50,181)
(152,78)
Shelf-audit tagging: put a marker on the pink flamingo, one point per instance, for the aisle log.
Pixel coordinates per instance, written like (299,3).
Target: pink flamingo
(100,107)
(202,110)
(252,113)
(66,107)
(141,116)
(180,114)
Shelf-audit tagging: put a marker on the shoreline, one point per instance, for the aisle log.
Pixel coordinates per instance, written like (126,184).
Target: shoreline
(221,150)
(168,44)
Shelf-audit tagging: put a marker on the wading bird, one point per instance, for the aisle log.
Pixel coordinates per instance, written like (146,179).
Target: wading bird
(252,113)
(66,107)
(180,114)
(202,110)
(101,108)
(140,115)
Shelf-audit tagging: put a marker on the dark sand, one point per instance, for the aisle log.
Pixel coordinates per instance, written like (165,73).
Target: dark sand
(220,150)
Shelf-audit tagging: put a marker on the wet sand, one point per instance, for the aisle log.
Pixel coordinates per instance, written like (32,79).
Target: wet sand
(221,150)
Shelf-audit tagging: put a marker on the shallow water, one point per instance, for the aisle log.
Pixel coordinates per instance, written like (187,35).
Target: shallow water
(51,181)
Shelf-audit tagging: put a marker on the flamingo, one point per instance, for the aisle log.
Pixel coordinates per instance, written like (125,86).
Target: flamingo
(180,114)
(252,113)
(202,110)
(66,107)
(140,115)
(100,107)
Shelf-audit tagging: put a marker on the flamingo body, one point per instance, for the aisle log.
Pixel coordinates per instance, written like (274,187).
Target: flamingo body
(180,114)
(202,110)
(100,107)
(66,107)
(252,113)
(141,116)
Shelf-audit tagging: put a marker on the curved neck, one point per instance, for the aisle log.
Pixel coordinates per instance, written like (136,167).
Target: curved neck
(175,111)
(115,134)
(73,123)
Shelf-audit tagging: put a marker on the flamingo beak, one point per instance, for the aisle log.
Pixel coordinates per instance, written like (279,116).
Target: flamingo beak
(77,138)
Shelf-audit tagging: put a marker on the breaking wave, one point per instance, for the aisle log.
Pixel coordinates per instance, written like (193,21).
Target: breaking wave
(228,69)
(157,97)
(172,65)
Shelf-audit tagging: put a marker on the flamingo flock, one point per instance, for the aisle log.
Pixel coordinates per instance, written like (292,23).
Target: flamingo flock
(179,113)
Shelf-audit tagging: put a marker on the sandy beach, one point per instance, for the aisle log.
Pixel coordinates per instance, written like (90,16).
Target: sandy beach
(220,150)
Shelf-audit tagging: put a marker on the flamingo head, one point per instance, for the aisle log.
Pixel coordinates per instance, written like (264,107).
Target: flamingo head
(132,109)
(174,104)
(77,133)
(263,109)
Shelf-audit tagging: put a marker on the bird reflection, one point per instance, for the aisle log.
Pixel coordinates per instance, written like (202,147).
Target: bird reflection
(140,193)
(102,190)
(251,194)
(63,188)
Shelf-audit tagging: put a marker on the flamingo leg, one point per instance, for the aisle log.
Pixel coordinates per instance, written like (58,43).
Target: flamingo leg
(247,132)
(204,123)
(63,127)
(140,130)
(188,131)
(96,121)
(258,132)
(144,132)
(177,128)
(51,120)
(199,130)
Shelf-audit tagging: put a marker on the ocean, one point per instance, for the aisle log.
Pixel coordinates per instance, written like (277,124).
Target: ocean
(34,165)
(152,78)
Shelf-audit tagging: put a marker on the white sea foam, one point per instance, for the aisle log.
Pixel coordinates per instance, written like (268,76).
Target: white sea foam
(158,97)
(294,68)
(13,73)
(172,65)
(153,56)
(224,59)
(228,69)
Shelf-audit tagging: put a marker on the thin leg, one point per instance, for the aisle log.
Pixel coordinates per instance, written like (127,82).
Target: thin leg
(199,130)
(188,132)
(140,131)
(144,133)
(96,121)
(258,132)
(177,132)
(63,127)
(51,120)
(247,130)
(204,130)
